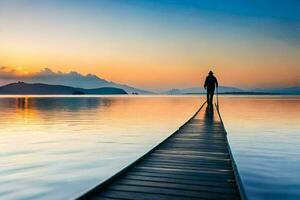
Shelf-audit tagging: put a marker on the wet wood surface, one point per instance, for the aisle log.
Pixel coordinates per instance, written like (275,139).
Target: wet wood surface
(193,163)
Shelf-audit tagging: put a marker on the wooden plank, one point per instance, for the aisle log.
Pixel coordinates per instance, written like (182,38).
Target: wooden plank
(188,162)
(196,158)
(209,150)
(194,147)
(201,140)
(197,140)
(205,168)
(179,180)
(202,177)
(186,165)
(191,156)
(193,163)
(177,186)
(187,174)
(106,198)
(195,172)
(190,152)
(129,195)
(175,192)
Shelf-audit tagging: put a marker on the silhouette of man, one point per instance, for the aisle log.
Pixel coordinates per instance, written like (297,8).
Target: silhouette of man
(210,83)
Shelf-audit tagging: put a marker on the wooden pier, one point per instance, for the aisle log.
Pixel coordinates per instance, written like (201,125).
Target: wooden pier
(195,162)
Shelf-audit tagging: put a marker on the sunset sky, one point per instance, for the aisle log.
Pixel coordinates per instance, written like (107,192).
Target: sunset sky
(155,44)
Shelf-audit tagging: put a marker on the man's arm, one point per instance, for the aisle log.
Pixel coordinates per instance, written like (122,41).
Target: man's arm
(217,84)
(205,83)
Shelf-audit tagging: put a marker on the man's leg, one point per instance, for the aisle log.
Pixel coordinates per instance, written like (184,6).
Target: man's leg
(211,97)
(207,96)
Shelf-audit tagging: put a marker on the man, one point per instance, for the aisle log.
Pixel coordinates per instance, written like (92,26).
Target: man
(210,84)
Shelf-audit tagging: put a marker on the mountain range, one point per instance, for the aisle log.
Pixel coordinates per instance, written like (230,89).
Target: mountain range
(234,90)
(82,82)
(199,90)
(72,79)
(40,88)
(288,90)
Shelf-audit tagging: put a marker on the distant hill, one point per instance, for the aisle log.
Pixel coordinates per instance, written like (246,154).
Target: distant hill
(201,90)
(238,91)
(40,88)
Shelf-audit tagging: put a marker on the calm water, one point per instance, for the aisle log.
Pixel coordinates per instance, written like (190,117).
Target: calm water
(264,133)
(57,148)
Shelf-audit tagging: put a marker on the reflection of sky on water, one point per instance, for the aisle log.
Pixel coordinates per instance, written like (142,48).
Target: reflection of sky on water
(63,146)
(264,135)
(59,147)
(62,103)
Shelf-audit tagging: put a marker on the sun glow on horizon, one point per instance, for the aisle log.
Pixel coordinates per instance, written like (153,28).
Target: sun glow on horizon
(168,46)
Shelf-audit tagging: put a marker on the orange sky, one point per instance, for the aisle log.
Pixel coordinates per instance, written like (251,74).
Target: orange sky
(174,52)
(172,70)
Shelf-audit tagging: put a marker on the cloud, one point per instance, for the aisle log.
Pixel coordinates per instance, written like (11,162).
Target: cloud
(48,76)
(7,73)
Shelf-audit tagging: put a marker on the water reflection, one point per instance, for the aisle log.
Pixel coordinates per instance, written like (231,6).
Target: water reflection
(56,148)
(45,104)
(209,116)
(264,135)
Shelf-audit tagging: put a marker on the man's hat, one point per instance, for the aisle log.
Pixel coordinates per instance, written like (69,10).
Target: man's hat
(210,72)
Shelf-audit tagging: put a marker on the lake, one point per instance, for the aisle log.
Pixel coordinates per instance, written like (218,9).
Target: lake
(264,134)
(59,147)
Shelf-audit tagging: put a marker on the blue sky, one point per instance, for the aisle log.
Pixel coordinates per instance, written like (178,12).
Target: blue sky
(142,42)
